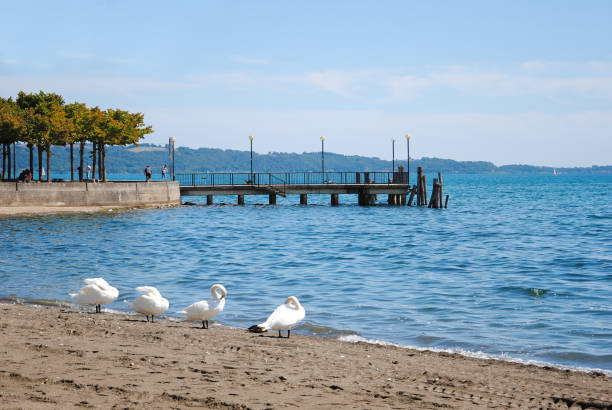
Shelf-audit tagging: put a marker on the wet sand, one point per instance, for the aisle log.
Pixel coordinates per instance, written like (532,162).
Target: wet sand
(57,358)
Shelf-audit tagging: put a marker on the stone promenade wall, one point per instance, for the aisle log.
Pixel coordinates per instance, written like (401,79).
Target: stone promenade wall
(89,194)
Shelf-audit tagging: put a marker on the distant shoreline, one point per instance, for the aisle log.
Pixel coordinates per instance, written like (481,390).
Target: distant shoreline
(66,357)
(132,160)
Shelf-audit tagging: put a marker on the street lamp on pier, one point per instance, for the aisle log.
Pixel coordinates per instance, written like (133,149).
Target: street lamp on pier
(173,140)
(323,158)
(393,155)
(251,138)
(408,156)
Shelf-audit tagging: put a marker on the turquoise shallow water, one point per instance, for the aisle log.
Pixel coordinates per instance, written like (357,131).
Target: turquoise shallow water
(518,266)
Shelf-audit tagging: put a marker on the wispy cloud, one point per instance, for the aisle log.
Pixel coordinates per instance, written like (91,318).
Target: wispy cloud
(94,58)
(249,60)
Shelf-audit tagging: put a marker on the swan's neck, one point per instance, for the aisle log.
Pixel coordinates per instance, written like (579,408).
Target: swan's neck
(293,303)
(215,294)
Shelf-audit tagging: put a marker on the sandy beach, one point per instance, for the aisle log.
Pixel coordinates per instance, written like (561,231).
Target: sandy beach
(52,357)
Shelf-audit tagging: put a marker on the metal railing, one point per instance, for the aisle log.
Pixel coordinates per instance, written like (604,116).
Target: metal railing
(289,178)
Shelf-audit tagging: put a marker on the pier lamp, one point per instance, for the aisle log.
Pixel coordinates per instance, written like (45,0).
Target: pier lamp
(408,156)
(393,156)
(323,158)
(251,138)
(173,140)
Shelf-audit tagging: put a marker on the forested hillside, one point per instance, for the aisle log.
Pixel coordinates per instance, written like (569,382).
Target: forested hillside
(131,159)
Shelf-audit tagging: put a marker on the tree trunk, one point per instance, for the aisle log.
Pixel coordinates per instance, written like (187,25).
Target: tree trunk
(81,160)
(93,166)
(8,150)
(48,163)
(99,162)
(72,161)
(103,163)
(14,160)
(3,161)
(40,165)
(31,148)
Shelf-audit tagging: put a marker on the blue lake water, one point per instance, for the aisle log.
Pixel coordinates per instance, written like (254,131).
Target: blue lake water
(518,267)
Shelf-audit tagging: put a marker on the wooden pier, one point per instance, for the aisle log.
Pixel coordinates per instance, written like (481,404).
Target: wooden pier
(366,185)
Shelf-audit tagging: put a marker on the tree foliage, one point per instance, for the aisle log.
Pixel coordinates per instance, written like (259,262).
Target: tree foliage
(45,120)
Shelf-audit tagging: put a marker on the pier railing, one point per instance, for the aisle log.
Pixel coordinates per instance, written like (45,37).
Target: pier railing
(290,178)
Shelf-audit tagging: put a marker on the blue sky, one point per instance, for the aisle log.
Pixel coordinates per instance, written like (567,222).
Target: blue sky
(511,82)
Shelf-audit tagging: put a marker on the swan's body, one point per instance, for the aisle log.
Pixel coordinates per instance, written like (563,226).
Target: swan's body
(150,302)
(207,309)
(97,292)
(284,317)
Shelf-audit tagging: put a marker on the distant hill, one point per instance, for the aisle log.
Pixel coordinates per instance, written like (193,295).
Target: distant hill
(131,159)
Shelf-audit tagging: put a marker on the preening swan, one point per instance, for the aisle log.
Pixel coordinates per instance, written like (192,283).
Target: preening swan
(150,302)
(207,309)
(284,317)
(97,292)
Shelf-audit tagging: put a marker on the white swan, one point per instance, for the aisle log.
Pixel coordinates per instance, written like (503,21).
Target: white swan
(284,317)
(150,302)
(97,292)
(204,309)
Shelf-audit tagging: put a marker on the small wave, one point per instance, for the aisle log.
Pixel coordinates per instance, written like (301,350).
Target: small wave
(537,292)
(324,331)
(476,355)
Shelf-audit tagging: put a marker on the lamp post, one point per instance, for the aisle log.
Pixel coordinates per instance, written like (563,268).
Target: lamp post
(408,156)
(251,138)
(172,141)
(323,158)
(393,154)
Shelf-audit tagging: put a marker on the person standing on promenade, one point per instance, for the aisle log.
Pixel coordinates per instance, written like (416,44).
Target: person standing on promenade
(148,172)
(88,170)
(164,171)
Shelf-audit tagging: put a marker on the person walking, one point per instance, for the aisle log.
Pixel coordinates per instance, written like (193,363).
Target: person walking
(164,171)
(148,172)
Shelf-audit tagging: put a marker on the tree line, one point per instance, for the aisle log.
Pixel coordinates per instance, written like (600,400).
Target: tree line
(43,120)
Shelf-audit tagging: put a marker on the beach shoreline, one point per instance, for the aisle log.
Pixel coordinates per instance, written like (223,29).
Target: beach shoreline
(51,356)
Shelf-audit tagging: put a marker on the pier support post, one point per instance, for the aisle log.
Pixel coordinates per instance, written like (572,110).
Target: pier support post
(334,200)
(419,193)
(209,199)
(391,199)
(303,199)
(272,199)
(240,199)
(403,199)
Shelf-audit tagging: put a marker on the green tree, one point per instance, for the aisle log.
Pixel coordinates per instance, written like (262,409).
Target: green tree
(37,108)
(12,129)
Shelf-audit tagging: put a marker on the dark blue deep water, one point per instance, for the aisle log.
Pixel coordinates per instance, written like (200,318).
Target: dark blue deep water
(519,267)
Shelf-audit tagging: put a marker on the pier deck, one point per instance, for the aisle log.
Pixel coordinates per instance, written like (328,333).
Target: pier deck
(364,184)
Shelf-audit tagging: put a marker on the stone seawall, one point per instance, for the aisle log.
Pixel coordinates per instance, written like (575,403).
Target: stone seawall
(73,194)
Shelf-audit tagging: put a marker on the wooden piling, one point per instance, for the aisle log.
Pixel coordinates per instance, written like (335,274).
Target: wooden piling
(424,187)
(434,193)
(209,199)
(334,200)
(419,193)
(240,199)
(403,199)
(446,202)
(440,192)
(272,199)
(412,194)
(303,199)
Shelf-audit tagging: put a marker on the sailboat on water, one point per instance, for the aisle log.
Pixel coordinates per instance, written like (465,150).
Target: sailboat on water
(555,172)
